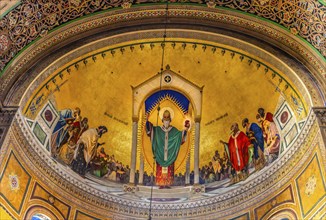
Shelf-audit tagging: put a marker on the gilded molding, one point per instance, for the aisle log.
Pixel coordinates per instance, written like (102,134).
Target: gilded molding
(299,17)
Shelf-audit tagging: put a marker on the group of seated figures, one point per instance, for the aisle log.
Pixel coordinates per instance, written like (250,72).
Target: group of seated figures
(74,143)
(105,166)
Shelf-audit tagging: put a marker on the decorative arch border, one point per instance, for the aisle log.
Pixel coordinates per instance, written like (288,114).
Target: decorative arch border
(283,213)
(141,127)
(38,209)
(191,91)
(59,14)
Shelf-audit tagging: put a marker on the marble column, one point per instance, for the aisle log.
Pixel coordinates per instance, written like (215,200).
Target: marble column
(196,151)
(133,151)
(141,170)
(187,174)
(6,116)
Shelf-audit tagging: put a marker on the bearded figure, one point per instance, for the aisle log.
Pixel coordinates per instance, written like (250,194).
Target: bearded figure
(166,141)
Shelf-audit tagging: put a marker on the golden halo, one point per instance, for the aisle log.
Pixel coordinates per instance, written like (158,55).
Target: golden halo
(163,110)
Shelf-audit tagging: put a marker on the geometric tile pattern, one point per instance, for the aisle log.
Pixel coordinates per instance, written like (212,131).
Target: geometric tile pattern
(30,123)
(301,123)
(283,116)
(49,115)
(310,186)
(282,148)
(286,124)
(291,135)
(14,182)
(39,133)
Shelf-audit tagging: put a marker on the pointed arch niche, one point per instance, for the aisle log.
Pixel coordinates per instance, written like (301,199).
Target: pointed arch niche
(170,81)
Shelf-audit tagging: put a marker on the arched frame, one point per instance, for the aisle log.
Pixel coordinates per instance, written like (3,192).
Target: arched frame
(152,85)
(37,209)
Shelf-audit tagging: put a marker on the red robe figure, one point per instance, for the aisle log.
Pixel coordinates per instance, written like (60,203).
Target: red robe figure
(238,147)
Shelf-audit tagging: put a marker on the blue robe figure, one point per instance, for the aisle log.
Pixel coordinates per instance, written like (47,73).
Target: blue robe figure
(60,134)
(258,140)
(255,134)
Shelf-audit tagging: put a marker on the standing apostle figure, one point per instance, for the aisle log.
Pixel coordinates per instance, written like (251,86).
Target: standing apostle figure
(166,141)
(238,148)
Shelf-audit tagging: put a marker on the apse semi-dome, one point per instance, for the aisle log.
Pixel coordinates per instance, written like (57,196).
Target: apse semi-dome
(163,111)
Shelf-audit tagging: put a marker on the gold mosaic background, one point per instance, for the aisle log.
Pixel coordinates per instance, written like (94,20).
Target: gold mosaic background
(235,86)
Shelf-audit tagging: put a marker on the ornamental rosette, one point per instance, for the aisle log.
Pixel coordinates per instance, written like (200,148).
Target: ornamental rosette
(14,182)
(310,185)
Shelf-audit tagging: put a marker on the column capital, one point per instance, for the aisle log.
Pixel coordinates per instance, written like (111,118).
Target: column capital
(6,116)
(198,119)
(320,113)
(135,118)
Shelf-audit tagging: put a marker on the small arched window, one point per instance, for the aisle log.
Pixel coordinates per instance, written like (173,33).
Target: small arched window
(40,216)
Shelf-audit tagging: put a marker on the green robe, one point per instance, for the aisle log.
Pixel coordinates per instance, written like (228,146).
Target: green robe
(174,142)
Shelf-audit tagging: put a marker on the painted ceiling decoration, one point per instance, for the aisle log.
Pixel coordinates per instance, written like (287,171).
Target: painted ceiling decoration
(79,84)
(96,124)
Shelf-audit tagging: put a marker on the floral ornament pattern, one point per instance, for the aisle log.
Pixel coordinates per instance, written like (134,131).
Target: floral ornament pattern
(34,18)
(4,43)
(14,182)
(311,185)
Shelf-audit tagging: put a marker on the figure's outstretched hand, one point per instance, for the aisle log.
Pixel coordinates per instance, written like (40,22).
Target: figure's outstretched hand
(222,142)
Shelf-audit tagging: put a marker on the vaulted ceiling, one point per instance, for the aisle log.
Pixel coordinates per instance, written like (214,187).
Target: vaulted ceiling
(91,54)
